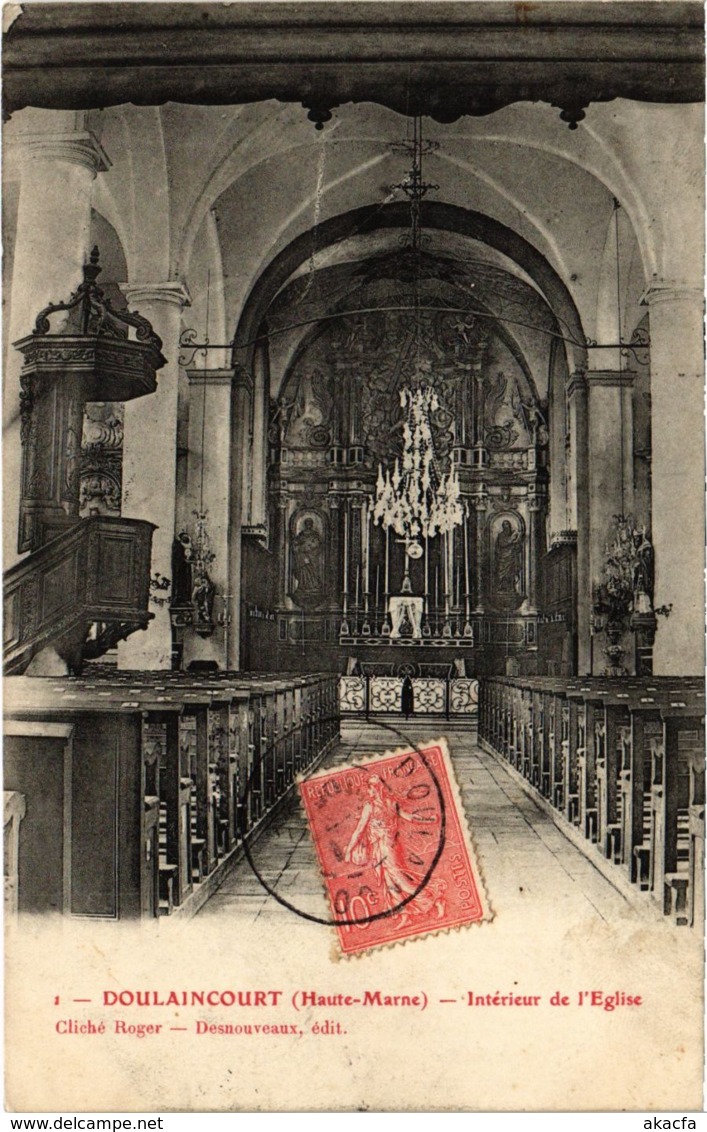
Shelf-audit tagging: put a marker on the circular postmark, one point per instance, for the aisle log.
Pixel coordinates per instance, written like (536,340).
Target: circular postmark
(411,753)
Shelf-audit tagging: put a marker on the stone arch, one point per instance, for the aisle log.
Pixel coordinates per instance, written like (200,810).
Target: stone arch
(436,215)
(501,329)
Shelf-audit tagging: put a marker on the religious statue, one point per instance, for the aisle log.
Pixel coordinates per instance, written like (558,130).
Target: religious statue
(202,598)
(508,560)
(406,605)
(192,583)
(307,560)
(311,410)
(181,569)
(642,573)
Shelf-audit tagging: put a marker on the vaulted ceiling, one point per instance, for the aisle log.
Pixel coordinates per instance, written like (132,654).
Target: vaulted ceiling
(230,181)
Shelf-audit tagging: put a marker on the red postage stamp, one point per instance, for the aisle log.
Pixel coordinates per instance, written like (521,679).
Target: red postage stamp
(394,848)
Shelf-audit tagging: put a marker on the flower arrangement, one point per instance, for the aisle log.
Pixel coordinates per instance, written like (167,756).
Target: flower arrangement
(613,598)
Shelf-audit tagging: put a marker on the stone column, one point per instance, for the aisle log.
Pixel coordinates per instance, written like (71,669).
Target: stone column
(536,546)
(282,541)
(479,501)
(557,423)
(610,455)
(51,245)
(207,476)
(610,415)
(241,393)
(579,511)
(334,503)
(150,466)
(678,464)
(261,394)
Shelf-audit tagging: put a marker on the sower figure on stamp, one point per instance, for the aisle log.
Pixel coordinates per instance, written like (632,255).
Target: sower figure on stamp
(376,842)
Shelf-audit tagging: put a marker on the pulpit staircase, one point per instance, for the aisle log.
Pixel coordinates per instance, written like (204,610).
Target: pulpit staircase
(79,594)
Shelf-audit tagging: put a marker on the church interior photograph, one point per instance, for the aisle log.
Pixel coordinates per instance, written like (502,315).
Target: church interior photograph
(353,365)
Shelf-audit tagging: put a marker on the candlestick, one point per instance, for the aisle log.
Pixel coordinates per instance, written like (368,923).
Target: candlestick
(367,546)
(468,632)
(387,561)
(345,611)
(458,576)
(346,548)
(427,567)
(447,627)
(358,571)
(466,552)
(445,571)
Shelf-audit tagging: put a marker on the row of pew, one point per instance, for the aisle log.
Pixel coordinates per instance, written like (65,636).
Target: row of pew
(138,785)
(623,761)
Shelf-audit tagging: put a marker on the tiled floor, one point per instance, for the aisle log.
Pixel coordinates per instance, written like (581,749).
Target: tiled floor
(521,852)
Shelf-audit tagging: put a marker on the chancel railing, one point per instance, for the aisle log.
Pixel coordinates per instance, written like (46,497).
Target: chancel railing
(622,761)
(433,692)
(172,773)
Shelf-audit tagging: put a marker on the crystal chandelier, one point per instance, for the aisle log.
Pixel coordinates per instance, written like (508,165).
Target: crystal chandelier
(417,500)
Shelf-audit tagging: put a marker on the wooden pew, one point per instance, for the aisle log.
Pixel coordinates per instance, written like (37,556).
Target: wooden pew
(219,763)
(696,834)
(15,807)
(589,705)
(680,749)
(175,792)
(621,758)
(634,773)
(153,741)
(98,838)
(174,765)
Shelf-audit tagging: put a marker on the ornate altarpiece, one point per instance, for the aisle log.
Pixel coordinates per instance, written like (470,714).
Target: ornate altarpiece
(339,417)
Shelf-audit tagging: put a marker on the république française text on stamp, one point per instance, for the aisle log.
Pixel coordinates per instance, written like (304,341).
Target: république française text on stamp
(394,848)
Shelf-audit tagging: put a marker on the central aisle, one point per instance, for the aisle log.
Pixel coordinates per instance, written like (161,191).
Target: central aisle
(525,859)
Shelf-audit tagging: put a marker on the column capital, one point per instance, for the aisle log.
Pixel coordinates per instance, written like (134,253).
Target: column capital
(610,377)
(210,376)
(671,291)
(79,147)
(242,378)
(577,383)
(171,291)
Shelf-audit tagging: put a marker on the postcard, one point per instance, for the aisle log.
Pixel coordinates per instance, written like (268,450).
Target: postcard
(353,622)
